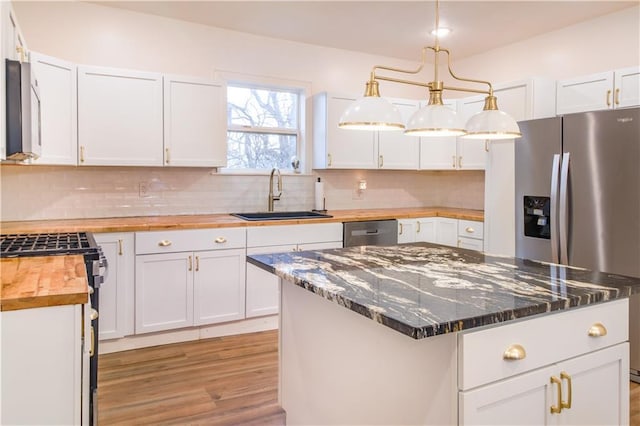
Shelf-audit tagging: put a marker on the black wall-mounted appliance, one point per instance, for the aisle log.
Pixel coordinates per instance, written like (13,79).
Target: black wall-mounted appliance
(23,112)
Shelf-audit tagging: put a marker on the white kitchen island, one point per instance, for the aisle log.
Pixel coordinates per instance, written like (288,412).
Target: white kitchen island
(417,334)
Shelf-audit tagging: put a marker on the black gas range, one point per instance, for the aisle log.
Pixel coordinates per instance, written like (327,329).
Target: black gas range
(68,243)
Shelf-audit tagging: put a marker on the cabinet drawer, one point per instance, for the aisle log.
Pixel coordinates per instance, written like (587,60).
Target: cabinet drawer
(189,240)
(471,229)
(546,339)
(260,236)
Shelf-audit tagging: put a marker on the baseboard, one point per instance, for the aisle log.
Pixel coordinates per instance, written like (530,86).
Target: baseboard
(251,325)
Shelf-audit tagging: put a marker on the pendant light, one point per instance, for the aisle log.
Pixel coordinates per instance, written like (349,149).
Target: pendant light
(374,113)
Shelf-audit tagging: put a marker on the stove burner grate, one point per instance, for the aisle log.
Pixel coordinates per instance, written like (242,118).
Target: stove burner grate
(49,243)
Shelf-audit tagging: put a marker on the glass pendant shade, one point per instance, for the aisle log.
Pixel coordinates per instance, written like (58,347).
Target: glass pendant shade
(434,120)
(371,113)
(492,124)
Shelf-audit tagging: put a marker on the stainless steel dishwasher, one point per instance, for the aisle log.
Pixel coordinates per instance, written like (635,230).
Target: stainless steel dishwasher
(370,233)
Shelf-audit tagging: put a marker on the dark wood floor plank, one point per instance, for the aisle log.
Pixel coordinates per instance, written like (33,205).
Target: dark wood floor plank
(222,381)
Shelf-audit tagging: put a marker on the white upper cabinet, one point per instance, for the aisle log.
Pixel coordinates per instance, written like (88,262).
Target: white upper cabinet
(395,149)
(194,126)
(119,117)
(336,148)
(606,90)
(626,87)
(58,104)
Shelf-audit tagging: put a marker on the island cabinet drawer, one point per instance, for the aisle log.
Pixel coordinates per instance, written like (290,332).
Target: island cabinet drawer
(544,340)
(190,240)
(470,229)
(260,236)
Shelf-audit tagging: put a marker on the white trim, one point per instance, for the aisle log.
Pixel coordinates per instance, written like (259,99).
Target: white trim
(305,112)
(252,325)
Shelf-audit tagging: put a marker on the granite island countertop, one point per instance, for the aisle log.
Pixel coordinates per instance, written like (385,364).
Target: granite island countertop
(423,289)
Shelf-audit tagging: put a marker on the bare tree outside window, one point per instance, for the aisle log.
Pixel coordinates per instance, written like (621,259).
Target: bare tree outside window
(263,127)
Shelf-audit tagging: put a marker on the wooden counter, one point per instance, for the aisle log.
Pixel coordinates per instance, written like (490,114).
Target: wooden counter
(152,223)
(35,282)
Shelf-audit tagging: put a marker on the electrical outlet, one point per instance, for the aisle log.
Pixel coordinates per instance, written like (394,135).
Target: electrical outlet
(143,190)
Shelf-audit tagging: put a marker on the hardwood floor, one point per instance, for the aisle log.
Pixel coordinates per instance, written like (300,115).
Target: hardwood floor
(221,381)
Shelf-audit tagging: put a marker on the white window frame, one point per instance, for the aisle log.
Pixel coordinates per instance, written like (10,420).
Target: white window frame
(302,132)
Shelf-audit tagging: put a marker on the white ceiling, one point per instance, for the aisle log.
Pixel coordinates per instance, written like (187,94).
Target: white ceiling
(389,28)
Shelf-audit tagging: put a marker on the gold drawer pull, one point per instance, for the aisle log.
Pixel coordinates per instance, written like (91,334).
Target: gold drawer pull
(514,353)
(220,240)
(400,226)
(164,243)
(556,409)
(597,330)
(565,376)
(470,230)
(617,97)
(608,98)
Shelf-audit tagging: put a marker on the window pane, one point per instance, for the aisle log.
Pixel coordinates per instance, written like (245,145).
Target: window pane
(248,106)
(260,150)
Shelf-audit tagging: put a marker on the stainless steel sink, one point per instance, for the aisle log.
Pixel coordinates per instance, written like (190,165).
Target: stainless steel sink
(280,215)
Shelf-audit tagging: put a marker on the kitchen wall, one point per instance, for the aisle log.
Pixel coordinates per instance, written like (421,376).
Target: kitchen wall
(92,34)
(42,192)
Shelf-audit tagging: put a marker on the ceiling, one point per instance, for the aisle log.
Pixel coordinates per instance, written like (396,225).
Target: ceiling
(389,28)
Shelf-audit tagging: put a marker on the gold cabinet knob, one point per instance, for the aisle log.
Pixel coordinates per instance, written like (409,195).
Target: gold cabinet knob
(514,353)
(164,243)
(220,240)
(470,230)
(597,330)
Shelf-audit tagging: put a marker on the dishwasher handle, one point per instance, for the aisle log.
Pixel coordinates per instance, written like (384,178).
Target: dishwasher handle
(359,232)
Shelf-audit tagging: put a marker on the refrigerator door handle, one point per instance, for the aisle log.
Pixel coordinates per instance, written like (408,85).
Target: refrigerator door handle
(564,209)
(555,241)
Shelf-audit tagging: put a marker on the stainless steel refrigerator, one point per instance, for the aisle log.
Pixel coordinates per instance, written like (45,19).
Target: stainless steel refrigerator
(578,196)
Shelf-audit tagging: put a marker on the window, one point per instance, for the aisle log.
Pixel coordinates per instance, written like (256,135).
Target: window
(263,127)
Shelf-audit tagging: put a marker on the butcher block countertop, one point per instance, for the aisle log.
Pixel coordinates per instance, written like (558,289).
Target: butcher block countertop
(36,282)
(155,223)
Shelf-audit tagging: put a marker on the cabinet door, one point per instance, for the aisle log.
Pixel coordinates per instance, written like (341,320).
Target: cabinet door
(219,286)
(41,366)
(116,308)
(588,93)
(164,291)
(348,149)
(395,149)
(523,400)
(58,103)
(119,117)
(262,286)
(194,122)
(599,388)
(447,231)
(426,229)
(627,87)
(438,153)
(406,231)
(471,154)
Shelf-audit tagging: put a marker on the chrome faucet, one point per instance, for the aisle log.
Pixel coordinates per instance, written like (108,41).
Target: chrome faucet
(272,197)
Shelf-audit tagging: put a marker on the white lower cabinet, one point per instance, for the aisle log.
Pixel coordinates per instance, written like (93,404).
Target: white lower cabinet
(571,376)
(441,230)
(218,286)
(176,289)
(263,287)
(116,308)
(43,364)
(588,381)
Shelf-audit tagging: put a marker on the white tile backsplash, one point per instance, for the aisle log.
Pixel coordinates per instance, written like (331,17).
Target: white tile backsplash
(44,192)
